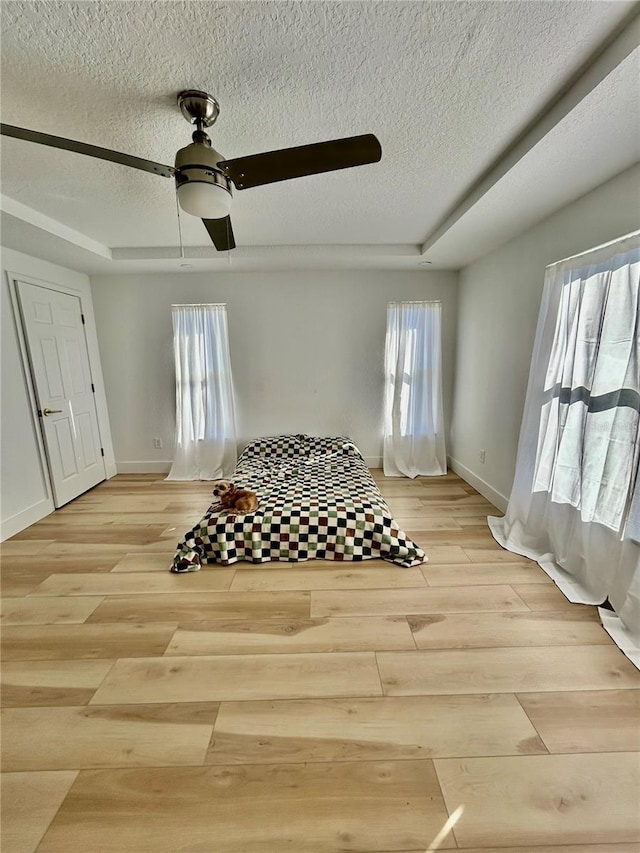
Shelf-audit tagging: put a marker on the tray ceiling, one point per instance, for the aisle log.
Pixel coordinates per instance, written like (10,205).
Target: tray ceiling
(445,86)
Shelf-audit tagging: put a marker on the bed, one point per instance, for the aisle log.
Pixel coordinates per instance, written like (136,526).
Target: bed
(317,500)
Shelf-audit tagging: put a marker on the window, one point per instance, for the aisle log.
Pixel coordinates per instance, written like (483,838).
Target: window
(205,412)
(413,421)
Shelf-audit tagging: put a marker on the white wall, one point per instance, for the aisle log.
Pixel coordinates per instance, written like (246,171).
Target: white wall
(498,303)
(307,352)
(25,494)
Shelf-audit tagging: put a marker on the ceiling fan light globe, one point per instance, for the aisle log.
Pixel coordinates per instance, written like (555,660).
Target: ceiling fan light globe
(204,200)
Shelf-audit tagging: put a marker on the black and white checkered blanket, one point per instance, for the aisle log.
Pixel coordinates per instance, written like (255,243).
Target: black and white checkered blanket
(317,499)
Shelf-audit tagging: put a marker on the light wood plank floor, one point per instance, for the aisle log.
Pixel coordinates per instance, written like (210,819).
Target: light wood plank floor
(313,707)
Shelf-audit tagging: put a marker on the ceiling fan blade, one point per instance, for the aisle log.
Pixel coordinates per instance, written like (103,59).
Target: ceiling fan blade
(287,163)
(221,233)
(89,150)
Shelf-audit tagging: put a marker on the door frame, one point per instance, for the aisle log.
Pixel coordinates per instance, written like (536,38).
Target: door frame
(91,338)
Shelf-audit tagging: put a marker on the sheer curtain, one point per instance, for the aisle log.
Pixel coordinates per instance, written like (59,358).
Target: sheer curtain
(205,414)
(413,419)
(575,502)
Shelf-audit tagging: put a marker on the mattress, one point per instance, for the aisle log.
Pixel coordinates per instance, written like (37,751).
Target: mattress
(317,500)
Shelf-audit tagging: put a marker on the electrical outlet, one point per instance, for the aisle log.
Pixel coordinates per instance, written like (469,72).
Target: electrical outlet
(157,443)
(482,455)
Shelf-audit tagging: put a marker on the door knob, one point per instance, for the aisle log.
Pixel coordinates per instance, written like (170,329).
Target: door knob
(47,412)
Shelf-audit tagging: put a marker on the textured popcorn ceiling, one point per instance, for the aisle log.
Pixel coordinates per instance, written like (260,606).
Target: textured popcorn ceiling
(444,85)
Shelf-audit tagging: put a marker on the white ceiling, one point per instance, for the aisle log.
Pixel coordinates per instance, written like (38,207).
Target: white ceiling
(446,87)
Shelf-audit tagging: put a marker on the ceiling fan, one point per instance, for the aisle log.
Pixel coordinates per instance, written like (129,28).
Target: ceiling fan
(204,178)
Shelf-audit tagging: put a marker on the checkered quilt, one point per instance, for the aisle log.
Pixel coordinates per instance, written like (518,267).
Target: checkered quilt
(317,499)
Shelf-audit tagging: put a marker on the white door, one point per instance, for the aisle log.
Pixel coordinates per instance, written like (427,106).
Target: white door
(54,329)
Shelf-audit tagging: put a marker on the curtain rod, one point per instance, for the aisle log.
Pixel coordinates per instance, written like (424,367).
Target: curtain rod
(200,305)
(419,302)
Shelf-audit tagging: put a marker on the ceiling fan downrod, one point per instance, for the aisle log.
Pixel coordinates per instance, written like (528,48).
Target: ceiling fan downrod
(199,136)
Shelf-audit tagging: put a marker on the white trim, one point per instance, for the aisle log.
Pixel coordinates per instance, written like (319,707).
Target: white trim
(52,226)
(497,498)
(153,467)
(615,627)
(12,279)
(609,55)
(104,426)
(373,461)
(25,518)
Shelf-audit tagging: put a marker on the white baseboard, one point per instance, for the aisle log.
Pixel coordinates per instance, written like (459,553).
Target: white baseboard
(497,498)
(373,461)
(153,467)
(21,520)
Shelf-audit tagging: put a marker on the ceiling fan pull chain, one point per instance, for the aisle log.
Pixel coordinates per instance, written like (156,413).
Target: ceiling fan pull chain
(179,228)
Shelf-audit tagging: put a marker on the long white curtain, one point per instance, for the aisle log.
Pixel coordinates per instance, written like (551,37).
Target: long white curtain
(413,418)
(205,415)
(575,502)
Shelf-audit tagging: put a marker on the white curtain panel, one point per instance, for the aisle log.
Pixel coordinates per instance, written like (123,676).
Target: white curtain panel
(413,419)
(575,503)
(205,414)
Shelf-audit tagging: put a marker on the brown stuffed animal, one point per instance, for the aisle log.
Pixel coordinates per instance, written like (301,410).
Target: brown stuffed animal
(230,497)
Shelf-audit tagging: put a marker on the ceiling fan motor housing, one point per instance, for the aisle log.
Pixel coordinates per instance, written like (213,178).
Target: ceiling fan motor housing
(197,165)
